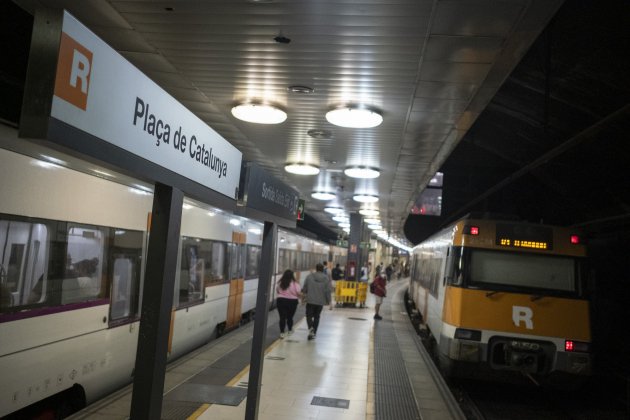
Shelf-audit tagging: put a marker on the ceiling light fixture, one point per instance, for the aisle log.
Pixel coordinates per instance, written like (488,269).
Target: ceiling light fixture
(333,210)
(369,212)
(375,227)
(365,198)
(342,219)
(301,169)
(321,195)
(259,113)
(344,224)
(300,89)
(372,221)
(354,117)
(362,172)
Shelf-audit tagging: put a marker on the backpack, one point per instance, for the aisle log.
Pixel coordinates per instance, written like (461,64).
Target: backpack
(372,287)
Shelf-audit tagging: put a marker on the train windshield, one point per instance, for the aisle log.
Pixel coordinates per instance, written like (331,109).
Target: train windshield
(508,270)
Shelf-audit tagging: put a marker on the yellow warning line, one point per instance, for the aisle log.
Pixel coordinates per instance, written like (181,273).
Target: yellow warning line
(198,412)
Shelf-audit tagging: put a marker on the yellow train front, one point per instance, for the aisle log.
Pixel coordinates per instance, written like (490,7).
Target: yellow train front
(505,295)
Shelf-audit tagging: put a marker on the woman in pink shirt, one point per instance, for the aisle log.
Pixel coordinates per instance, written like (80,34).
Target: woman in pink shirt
(288,292)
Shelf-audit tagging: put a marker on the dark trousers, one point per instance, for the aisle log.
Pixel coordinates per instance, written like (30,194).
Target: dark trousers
(286,310)
(312,316)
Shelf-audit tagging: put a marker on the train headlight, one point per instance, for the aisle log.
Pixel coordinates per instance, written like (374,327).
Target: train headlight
(464,334)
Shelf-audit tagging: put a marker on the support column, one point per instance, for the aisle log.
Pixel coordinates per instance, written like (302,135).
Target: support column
(267,259)
(157,301)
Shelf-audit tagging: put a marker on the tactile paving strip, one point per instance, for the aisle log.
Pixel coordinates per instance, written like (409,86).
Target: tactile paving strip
(393,396)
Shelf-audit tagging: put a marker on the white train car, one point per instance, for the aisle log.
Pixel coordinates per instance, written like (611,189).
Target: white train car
(72,248)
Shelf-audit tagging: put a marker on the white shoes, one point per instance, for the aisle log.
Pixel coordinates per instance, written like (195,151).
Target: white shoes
(282,335)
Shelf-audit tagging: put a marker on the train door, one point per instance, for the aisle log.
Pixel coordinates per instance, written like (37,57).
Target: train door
(235,300)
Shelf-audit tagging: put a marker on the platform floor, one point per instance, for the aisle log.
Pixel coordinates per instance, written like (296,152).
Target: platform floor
(337,369)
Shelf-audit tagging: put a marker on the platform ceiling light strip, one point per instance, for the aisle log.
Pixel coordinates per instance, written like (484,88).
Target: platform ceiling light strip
(354,117)
(259,113)
(301,169)
(320,195)
(365,198)
(362,172)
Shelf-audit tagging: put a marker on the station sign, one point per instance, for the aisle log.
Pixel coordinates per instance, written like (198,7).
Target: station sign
(96,91)
(261,191)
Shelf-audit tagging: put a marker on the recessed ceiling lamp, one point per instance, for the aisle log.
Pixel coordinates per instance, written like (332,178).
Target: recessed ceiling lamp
(365,198)
(259,113)
(369,212)
(362,172)
(342,219)
(301,169)
(354,117)
(320,195)
(344,225)
(333,210)
(372,221)
(300,89)
(375,227)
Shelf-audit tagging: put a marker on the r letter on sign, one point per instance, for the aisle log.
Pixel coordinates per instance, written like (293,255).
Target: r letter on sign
(523,314)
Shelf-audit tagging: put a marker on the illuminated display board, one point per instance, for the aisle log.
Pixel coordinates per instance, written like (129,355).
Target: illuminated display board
(524,236)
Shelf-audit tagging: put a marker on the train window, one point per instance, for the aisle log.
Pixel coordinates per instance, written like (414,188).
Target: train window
(83,279)
(282,260)
(253,261)
(453,273)
(22,263)
(523,270)
(125,259)
(202,263)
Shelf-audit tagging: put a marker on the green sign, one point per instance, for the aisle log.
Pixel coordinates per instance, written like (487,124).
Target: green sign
(342,243)
(364,245)
(300,210)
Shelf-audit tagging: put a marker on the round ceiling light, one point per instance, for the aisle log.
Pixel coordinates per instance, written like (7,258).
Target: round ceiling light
(259,113)
(333,210)
(320,195)
(369,212)
(301,169)
(372,221)
(342,219)
(354,117)
(365,198)
(344,224)
(375,227)
(362,172)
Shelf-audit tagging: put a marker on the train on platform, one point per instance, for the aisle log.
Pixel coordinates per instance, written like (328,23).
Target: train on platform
(499,296)
(72,247)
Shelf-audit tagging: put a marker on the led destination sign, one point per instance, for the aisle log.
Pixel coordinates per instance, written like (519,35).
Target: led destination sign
(524,236)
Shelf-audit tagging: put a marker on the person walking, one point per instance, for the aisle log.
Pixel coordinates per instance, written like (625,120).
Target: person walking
(288,292)
(380,291)
(316,293)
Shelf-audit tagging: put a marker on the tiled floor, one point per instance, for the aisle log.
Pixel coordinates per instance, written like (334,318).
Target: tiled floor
(334,365)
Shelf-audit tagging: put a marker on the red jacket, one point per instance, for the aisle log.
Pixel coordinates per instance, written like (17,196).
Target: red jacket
(380,286)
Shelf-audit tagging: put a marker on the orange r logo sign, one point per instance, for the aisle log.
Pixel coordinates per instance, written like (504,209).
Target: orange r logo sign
(73,72)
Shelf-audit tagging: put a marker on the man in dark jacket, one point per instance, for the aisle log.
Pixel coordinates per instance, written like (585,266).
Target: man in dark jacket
(317,291)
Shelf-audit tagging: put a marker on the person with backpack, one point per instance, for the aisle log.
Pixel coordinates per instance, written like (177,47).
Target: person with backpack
(379,289)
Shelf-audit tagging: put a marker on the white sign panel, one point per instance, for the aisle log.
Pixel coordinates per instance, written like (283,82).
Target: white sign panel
(101,93)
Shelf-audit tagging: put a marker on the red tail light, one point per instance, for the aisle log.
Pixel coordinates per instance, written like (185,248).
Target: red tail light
(474,230)
(575,239)
(570,345)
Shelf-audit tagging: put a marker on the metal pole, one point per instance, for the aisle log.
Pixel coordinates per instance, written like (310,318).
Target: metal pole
(157,301)
(260,324)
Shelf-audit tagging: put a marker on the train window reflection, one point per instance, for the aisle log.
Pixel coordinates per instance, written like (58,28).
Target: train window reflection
(523,270)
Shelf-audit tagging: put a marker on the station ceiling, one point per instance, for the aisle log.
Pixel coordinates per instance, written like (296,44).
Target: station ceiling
(523,105)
